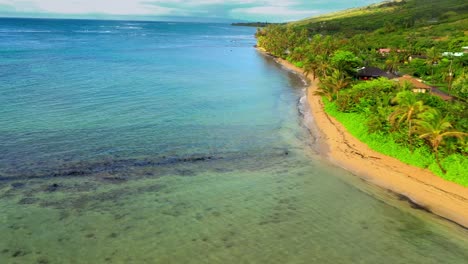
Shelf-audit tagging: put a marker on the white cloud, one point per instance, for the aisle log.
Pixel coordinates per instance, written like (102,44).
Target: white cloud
(111,7)
(272,10)
(128,6)
(279,11)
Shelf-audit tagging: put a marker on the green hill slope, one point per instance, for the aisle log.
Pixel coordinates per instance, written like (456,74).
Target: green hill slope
(389,15)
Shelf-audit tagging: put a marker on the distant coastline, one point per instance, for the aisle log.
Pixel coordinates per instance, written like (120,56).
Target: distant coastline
(420,186)
(254,24)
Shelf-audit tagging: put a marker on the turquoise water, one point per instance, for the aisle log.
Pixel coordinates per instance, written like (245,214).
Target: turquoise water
(152,142)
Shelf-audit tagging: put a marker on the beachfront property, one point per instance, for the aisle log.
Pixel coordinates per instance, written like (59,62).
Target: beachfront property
(418,85)
(386,51)
(369,73)
(452,54)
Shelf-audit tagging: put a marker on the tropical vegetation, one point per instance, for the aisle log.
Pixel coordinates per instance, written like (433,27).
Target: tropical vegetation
(423,39)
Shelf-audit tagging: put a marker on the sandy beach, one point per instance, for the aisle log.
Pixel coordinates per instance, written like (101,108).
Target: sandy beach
(446,199)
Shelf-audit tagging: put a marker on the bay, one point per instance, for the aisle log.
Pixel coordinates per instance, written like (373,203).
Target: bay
(156,142)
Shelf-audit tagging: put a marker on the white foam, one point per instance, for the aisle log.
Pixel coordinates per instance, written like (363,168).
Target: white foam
(128,27)
(24,31)
(94,31)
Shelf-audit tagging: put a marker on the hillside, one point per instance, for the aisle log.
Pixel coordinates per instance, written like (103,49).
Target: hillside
(389,15)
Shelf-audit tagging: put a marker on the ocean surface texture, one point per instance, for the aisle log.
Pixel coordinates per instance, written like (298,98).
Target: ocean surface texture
(152,142)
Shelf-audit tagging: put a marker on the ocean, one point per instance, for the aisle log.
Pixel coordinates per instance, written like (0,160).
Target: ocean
(163,142)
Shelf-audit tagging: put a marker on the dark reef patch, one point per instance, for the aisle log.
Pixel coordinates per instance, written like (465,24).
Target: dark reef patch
(19,253)
(185,172)
(17,185)
(114,179)
(80,169)
(28,200)
(113,235)
(42,260)
(92,201)
(52,187)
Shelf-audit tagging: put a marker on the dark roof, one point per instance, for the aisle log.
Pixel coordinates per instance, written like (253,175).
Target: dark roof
(374,72)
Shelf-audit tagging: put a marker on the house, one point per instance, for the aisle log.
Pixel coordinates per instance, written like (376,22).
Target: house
(367,73)
(386,51)
(452,54)
(418,85)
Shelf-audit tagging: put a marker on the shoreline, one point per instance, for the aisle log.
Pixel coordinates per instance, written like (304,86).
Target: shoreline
(419,186)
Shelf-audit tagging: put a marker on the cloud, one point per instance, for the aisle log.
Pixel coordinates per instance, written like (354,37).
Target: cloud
(279,11)
(275,11)
(271,10)
(120,7)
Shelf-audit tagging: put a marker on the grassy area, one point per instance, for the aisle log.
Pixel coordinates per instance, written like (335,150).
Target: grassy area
(455,164)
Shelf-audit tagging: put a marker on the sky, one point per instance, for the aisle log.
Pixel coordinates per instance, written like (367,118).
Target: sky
(183,10)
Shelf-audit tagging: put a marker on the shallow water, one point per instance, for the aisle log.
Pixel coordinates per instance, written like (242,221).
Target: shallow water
(140,142)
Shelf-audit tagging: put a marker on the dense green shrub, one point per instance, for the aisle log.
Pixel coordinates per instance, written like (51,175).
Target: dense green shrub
(455,164)
(363,96)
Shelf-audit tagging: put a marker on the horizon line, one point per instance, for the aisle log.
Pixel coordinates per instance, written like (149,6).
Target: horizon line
(142,19)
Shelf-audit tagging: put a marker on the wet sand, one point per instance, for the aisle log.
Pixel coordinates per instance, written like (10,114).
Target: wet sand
(420,186)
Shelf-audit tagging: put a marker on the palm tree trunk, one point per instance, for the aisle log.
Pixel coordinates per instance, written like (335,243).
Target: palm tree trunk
(438,162)
(432,76)
(410,141)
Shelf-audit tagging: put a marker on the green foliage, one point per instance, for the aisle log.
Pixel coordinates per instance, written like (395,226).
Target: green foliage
(456,44)
(435,128)
(418,68)
(331,85)
(430,100)
(455,164)
(299,64)
(448,15)
(363,96)
(386,115)
(460,86)
(388,18)
(406,112)
(345,61)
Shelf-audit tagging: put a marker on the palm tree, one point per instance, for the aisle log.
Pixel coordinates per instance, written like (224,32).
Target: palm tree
(325,90)
(331,85)
(392,63)
(406,111)
(310,66)
(433,58)
(434,129)
(322,66)
(405,86)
